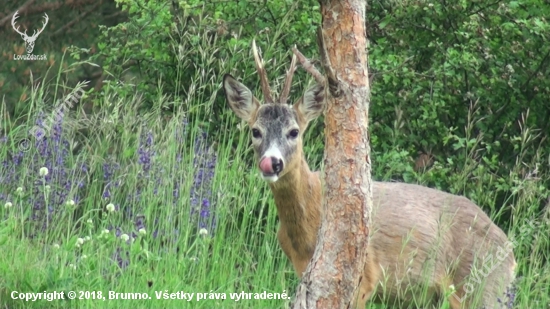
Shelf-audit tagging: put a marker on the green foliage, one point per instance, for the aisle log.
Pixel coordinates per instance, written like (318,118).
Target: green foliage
(464,83)
(74,24)
(451,78)
(83,251)
(175,44)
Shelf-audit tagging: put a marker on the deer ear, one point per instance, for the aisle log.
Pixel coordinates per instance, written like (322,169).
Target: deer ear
(240,98)
(312,104)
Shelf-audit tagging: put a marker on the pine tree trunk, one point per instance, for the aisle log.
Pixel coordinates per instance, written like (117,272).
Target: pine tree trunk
(334,274)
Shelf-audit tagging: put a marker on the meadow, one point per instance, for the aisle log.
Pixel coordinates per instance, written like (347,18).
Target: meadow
(150,204)
(164,203)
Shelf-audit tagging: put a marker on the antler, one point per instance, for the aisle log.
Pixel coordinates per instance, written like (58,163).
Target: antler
(288,80)
(308,66)
(13,24)
(261,71)
(43,26)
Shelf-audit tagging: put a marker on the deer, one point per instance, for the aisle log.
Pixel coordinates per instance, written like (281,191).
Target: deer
(422,241)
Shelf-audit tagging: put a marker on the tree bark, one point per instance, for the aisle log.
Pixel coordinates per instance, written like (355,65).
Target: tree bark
(335,271)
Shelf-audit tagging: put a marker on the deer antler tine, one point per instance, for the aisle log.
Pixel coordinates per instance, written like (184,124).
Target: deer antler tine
(261,71)
(308,66)
(288,81)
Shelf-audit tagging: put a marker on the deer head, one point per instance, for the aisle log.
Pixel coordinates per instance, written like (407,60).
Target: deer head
(277,128)
(29,40)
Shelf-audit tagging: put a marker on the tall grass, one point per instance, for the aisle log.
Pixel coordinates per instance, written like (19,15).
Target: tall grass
(148,203)
(188,214)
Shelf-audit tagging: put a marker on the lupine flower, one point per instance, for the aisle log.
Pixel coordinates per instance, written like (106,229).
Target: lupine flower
(108,172)
(145,151)
(122,257)
(139,222)
(509,297)
(18,158)
(205,163)
(49,162)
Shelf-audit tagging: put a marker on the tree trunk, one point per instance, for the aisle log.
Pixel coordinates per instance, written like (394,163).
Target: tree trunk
(334,274)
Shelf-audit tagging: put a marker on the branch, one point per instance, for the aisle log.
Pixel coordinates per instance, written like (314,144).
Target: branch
(21,9)
(308,66)
(333,84)
(50,6)
(77,19)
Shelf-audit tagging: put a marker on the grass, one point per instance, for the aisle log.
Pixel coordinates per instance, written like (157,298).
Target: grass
(145,203)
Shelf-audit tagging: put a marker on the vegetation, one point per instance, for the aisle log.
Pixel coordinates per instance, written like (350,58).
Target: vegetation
(150,184)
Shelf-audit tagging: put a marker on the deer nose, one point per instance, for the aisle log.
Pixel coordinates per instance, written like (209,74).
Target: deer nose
(271,165)
(277,164)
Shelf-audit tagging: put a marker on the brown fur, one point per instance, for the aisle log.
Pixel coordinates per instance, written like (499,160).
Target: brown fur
(411,224)
(422,240)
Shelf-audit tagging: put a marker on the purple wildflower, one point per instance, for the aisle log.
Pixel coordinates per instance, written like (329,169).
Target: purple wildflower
(52,151)
(145,151)
(509,297)
(122,257)
(109,170)
(205,163)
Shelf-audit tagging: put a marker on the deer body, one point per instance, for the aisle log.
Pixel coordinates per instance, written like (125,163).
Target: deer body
(422,241)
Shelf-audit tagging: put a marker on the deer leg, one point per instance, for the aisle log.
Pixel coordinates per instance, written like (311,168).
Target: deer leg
(368,283)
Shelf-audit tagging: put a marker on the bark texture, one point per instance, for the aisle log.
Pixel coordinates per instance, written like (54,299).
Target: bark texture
(333,276)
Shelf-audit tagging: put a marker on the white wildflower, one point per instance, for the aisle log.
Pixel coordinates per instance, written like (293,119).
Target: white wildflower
(79,242)
(110,207)
(43,171)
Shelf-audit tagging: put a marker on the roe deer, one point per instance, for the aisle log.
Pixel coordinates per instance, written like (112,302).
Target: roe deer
(423,242)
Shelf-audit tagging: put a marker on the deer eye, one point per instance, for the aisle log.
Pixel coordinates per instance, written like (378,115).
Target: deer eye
(256,133)
(293,133)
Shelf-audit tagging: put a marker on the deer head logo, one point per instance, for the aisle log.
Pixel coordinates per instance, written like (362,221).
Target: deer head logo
(29,40)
